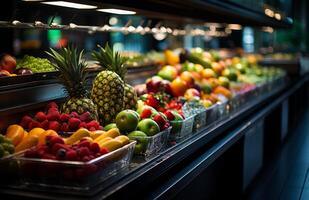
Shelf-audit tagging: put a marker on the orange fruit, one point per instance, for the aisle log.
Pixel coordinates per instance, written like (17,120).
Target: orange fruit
(178,87)
(217,67)
(222,90)
(208,73)
(187,77)
(213,82)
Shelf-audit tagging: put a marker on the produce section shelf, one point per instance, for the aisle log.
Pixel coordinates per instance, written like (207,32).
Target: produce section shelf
(142,174)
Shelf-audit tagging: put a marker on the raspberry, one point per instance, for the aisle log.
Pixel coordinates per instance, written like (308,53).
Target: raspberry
(40,116)
(95,148)
(104,150)
(84,143)
(64,117)
(83,151)
(71,155)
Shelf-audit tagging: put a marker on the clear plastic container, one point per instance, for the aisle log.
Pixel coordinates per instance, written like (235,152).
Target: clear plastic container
(181,129)
(151,145)
(199,120)
(74,174)
(211,114)
(222,106)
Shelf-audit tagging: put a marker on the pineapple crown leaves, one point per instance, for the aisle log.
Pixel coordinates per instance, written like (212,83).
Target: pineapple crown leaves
(72,67)
(111,60)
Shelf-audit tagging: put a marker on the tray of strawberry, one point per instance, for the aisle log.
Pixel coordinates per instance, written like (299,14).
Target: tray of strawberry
(58,163)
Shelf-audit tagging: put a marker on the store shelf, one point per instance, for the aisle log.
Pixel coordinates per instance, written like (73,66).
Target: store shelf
(217,138)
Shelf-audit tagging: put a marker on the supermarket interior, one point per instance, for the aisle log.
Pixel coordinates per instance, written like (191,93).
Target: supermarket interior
(152,99)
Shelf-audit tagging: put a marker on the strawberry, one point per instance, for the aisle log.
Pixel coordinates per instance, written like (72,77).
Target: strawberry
(74,115)
(40,116)
(64,117)
(83,151)
(65,127)
(101,128)
(74,123)
(92,129)
(152,101)
(95,148)
(85,158)
(170,116)
(84,143)
(159,119)
(93,124)
(146,113)
(52,105)
(50,110)
(58,146)
(34,124)
(85,117)
(25,121)
(82,125)
(161,109)
(53,116)
(52,141)
(71,155)
(166,126)
(31,153)
(104,151)
(54,125)
(45,124)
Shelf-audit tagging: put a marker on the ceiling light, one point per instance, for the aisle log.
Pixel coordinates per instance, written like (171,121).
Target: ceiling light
(69,4)
(278,16)
(269,12)
(117,11)
(234,26)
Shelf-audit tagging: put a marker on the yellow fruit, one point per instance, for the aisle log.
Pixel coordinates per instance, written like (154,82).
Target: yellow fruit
(171,57)
(46,133)
(114,132)
(30,141)
(15,133)
(78,135)
(96,134)
(36,131)
(111,144)
(103,141)
(123,139)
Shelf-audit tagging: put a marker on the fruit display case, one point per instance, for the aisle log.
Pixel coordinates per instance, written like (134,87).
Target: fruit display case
(181,129)
(74,175)
(151,145)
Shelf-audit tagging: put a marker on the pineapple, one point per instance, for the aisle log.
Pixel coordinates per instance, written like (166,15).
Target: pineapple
(73,74)
(130,97)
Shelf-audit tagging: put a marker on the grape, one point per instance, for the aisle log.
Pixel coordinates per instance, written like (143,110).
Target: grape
(37,65)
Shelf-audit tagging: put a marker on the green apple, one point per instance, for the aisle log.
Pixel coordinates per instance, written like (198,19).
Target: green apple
(126,121)
(177,122)
(110,126)
(135,113)
(148,126)
(141,141)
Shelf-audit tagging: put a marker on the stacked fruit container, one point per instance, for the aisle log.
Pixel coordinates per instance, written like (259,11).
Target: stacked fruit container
(94,134)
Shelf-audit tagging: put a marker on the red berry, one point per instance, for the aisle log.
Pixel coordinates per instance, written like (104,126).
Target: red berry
(152,101)
(65,127)
(104,150)
(64,117)
(84,143)
(25,121)
(146,113)
(170,116)
(101,128)
(50,110)
(73,124)
(91,157)
(74,115)
(95,148)
(45,124)
(85,159)
(55,140)
(40,116)
(98,154)
(31,153)
(92,129)
(85,117)
(54,125)
(52,105)
(83,151)
(71,155)
(82,125)
(34,124)
(159,119)
(53,116)
(93,124)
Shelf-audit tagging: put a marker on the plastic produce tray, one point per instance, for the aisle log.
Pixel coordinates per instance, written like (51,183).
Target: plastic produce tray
(199,120)
(181,129)
(153,144)
(74,174)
